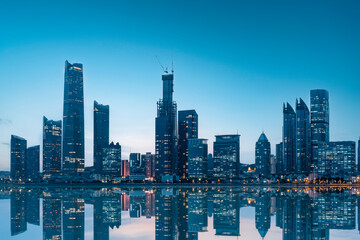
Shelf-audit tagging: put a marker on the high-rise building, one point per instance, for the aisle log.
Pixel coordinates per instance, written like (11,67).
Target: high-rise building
(226,157)
(101,133)
(51,147)
(111,162)
(279,158)
(262,155)
(18,158)
(33,163)
(210,165)
(336,158)
(187,128)
(319,108)
(289,139)
(137,165)
(197,159)
(32,199)
(73,154)
(17,211)
(149,165)
(303,138)
(166,217)
(197,211)
(165,133)
(262,214)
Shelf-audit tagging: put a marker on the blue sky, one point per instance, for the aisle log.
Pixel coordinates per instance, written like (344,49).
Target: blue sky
(235,62)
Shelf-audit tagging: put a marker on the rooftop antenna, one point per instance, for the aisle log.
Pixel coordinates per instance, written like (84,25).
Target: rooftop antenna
(165,70)
(172,64)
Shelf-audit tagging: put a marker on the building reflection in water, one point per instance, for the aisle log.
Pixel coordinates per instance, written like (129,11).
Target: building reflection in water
(183,213)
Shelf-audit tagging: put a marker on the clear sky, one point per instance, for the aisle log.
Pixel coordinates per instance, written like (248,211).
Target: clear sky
(235,62)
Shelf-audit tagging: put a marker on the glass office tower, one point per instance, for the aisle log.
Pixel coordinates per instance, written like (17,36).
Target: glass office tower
(51,147)
(101,133)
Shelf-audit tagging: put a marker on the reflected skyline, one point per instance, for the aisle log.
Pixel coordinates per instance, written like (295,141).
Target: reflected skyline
(184,213)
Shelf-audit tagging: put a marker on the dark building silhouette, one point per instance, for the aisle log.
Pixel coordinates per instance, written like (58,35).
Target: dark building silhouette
(358,163)
(73,155)
(187,128)
(125,168)
(262,214)
(226,157)
(336,158)
(149,204)
(18,211)
(319,107)
(197,159)
(226,214)
(165,133)
(279,158)
(303,138)
(111,162)
(262,155)
(51,218)
(101,133)
(73,214)
(289,139)
(51,147)
(149,165)
(18,158)
(33,163)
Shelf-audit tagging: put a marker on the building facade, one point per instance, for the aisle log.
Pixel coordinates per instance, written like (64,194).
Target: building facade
(319,107)
(166,133)
(187,128)
(51,147)
(226,157)
(149,165)
(18,158)
(33,163)
(197,159)
(73,154)
(303,138)
(336,159)
(289,139)
(111,162)
(263,156)
(279,158)
(101,133)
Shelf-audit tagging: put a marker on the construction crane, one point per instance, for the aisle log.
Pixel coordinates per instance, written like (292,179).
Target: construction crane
(164,69)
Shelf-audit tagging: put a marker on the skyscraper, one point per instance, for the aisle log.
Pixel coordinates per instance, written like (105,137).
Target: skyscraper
(262,155)
(51,217)
(111,160)
(165,132)
(73,129)
(226,157)
(33,163)
(18,158)
(279,158)
(289,139)
(303,138)
(188,128)
(319,107)
(101,133)
(149,165)
(262,214)
(137,166)
(51,147)
(73,214)
(197,158)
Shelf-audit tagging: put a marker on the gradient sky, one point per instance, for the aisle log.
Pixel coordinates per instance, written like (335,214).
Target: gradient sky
(235,62)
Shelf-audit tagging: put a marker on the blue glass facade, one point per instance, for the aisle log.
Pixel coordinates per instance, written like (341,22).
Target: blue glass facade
(262,155)
(51,147)
(33,164)
(197,158)
(101,133)
(18,158)
(289,139)
(73,155)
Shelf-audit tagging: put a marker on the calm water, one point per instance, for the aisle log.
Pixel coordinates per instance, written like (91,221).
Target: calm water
(179,213)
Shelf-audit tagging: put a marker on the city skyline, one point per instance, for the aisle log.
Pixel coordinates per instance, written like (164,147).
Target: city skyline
(233,86)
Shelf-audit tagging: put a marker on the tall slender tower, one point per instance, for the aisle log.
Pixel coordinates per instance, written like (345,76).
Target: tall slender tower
(289,139)
(165,132)
(73,156)
(18,158)
(188,128)
(319,107)
(303,144)
(101,133)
